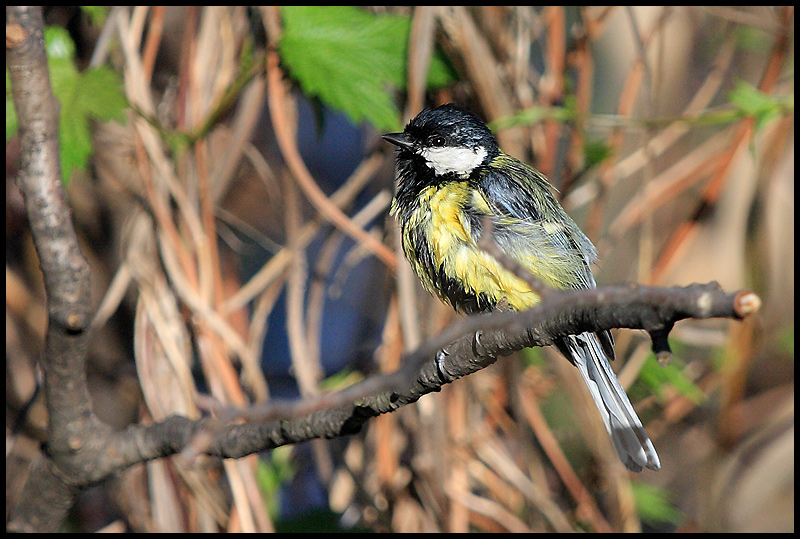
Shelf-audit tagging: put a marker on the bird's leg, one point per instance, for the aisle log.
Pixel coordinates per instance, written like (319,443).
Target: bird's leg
(502,305)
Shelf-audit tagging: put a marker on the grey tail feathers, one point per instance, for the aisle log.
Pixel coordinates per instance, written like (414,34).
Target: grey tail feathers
(631,442)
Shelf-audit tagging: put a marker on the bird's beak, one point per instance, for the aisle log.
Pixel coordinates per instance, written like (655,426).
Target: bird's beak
(398,139)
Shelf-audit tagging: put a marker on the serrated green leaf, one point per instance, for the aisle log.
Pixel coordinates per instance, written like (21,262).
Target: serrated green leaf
(95,94)
(329,50)
(351,59)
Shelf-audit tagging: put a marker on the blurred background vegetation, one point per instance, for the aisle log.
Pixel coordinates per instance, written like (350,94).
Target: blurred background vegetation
(231,192)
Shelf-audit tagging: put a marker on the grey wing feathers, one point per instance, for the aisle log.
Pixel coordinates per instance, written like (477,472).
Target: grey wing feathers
(531,227)
(521,199)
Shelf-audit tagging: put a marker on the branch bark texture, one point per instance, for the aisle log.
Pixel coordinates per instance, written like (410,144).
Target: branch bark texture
(57,477)
(464,348)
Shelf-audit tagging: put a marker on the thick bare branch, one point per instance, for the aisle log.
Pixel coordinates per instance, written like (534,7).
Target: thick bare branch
(56,478)
(469,346)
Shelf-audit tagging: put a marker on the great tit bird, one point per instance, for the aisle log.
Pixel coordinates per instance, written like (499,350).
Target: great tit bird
(451,174)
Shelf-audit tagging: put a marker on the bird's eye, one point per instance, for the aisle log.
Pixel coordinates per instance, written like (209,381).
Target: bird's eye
(436,141)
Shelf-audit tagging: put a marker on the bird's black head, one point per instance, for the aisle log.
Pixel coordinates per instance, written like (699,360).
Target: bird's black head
(449,139)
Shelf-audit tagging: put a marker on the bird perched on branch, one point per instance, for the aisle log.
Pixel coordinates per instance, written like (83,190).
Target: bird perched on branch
(451,175)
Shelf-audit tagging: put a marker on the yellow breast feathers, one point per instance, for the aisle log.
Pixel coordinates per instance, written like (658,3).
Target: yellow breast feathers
(449,236)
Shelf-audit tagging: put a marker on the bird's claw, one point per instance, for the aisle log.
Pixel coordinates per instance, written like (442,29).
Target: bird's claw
(441,355)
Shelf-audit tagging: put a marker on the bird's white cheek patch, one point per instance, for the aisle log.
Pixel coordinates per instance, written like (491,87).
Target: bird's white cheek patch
(458,160)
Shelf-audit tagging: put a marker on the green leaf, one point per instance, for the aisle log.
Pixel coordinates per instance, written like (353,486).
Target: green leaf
(750,101)
(533,357)
(351,59)
(11,113)
(97,14)
(653,505)
(595,152)
(95,94)
(58,43)
(341,380)
(655,376)
(76,141)
(752,39)
(272,472)
(99,94)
